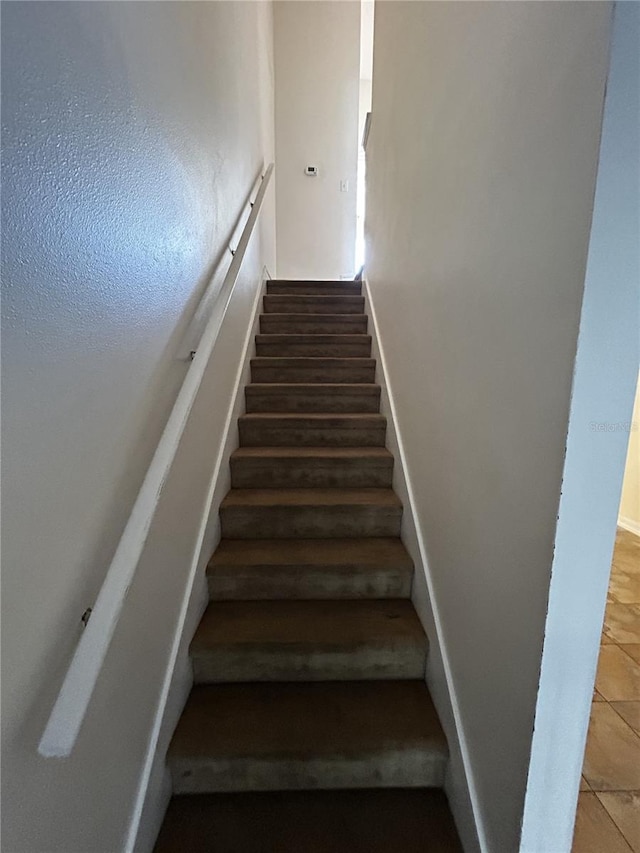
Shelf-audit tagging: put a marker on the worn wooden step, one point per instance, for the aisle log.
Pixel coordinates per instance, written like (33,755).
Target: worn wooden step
(311,467)
(309,513)
(314,288)
(322,324)
(369,821)
(395,820)
(325,370)
(312,430)
(312,397)
(308,641)
(317,346)
(272,569)
(352,734)
(303,304)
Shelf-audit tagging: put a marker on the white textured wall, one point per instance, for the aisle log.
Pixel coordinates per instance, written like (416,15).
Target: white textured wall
(317,70)
(480,177)
(132,133)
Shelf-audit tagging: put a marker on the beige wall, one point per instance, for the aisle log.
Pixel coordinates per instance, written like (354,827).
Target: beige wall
(630,500)
(317,50)
(132,133)
(481,166)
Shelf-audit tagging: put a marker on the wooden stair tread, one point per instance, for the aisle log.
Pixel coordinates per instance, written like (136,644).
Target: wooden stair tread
(338,316)
(318,569)
(313,429)
(312,387)
(307,345)
(310,497)
(307,513)
(346,554)
(305,720)
(330,303)
(343,419)
(314,287)
(319,453)
(320,624)
(410,820)
(319,397)
(312,369)
(294,640)
(295,467)
(312,361)
(265,338)
(316,298)
(313,323)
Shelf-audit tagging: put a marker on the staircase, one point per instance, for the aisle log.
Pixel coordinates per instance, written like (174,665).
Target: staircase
(310,726)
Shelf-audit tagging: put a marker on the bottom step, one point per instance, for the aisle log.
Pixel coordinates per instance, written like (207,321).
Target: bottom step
(373,821)
(300,736)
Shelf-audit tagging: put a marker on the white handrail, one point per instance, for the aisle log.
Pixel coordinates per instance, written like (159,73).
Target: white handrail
(77,688)
(198,321)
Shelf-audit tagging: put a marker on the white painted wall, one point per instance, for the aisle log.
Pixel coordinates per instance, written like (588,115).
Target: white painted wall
(132,133)
(480,176)
(606,368)
(421,592)
(317,56)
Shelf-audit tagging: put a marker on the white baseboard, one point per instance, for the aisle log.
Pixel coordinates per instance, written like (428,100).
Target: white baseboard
(459,783)
(629,524)
(154,789)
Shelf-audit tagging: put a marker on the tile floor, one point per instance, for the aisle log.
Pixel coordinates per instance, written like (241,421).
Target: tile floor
(608,818)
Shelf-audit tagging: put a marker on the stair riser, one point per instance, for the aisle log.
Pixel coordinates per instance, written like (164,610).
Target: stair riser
(309,522)
(297,324)
(311,349)
(260,663)
(275,584)
(292,473)
(401,768)
(308,373)
(267,435)
(345,402)
(313,305)
(315,288)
